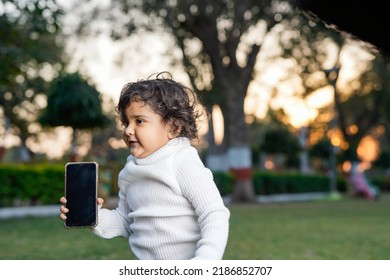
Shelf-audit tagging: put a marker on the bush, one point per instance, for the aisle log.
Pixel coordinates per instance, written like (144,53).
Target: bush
(224,182)
(267,183)
(383,182)
(31,184)
(44,183)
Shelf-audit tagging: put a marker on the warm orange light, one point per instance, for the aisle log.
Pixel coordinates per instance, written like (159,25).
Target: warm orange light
(336,141)
(352,129)
(368,149)
(346,166)
(269,164)
(335,137)
(218,124)
(381,129)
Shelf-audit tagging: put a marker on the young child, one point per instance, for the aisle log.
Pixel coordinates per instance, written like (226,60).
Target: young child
(169,206)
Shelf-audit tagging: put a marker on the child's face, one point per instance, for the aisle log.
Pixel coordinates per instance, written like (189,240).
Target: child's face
(145,132)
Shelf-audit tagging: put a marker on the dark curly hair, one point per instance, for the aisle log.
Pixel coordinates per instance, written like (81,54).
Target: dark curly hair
(174,102)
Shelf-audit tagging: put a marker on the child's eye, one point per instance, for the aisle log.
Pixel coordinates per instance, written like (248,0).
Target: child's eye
(125,124)
(139,121)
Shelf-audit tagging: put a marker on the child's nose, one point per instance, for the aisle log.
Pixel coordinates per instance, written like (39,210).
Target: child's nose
(129,130)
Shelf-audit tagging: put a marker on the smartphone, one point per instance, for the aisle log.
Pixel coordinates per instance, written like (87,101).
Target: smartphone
(81,181)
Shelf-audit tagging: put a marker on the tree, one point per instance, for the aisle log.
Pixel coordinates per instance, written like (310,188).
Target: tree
(278,140)
(356,104)
(364,107)
(219,42)
(73,102)
(30,55)
(274,137)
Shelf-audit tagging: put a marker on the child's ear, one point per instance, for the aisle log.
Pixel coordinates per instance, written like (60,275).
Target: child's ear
(173,133)
(174,130)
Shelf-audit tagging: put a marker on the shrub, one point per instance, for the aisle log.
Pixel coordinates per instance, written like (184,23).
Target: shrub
(224,182)
(44,183)
(31,184)
(267,183)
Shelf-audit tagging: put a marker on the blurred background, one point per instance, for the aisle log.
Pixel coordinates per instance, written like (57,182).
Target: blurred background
(298,112)
(297,105)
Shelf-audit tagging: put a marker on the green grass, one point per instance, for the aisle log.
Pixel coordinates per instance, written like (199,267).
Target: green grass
(351,229)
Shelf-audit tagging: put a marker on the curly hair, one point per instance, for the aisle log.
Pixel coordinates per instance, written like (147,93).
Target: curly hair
(174,102)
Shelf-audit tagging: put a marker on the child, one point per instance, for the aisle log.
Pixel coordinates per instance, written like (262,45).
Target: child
(169,206)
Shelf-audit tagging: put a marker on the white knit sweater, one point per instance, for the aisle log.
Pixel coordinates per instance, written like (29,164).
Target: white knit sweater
(169,207)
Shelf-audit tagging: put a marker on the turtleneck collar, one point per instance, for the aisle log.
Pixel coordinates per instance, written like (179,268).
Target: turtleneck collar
(168,149)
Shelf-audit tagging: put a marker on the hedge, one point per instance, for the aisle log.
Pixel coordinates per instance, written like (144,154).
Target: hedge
(44,183)
(268,183)
(31,184)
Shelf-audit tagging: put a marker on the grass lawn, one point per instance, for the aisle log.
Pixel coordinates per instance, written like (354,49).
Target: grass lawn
(350,229)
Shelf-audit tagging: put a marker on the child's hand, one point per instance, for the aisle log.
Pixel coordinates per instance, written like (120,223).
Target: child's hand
(99,202)
(65,210)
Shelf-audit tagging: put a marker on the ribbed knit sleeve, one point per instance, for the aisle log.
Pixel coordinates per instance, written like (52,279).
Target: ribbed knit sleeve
(113,223)
(197,184)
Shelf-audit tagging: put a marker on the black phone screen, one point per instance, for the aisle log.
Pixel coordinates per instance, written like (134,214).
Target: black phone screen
(81,194)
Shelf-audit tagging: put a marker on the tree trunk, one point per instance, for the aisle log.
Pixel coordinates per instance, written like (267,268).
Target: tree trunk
(73,149)
(239,155)
(240,162)
(24,152)
(216,155)
(304,154)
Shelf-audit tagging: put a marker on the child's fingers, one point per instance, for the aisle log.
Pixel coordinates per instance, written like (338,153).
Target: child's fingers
(100,201)
(63,209)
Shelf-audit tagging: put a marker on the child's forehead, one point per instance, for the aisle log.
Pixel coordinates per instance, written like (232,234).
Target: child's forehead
(139,108)
(136,97)
(138,104)
(138,100)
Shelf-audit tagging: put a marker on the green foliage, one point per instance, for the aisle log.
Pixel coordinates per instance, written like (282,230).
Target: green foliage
(44,184)
(383,182)
(321,149)
(31,51)
(224,182)
(279,140)
(73,102)
(31,184)
(268,183)
(383,160)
